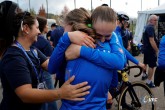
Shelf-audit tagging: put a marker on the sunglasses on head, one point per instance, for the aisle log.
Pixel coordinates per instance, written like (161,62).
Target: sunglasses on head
(25,14)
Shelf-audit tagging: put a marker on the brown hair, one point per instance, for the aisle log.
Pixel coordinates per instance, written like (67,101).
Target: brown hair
(79,19)
(42,23)
(17,21)
(8,11)
(24,17)
(104,13)
(5,43)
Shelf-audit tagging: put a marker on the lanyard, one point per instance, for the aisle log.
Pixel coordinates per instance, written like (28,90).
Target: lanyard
(35,70)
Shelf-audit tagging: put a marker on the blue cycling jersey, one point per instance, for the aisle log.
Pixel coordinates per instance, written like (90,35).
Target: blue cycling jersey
(95,66)
(127,54)
(161,56)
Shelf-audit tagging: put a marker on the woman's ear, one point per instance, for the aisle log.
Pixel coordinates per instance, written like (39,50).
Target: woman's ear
(25,28)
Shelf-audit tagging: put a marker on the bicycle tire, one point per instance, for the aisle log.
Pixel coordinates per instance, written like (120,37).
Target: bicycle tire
(146,94)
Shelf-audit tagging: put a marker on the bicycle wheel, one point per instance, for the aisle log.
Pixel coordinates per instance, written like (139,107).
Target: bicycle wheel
(144,95)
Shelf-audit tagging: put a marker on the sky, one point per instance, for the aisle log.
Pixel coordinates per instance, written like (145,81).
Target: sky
(131,7)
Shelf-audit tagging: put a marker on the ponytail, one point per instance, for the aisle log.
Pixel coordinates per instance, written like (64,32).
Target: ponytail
(4,44)
(7,14)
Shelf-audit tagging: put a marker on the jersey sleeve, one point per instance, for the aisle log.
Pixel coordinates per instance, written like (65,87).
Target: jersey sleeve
(150,31)
(58,55)
(113,60)
(130,57)
(127,55)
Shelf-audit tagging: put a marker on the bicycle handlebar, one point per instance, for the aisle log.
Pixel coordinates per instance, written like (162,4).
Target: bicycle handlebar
(130,67)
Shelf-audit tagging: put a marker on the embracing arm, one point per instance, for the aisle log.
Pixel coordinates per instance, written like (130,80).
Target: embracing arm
(19,78)
(106,60)
(58,54)
(69,92)
(111,60)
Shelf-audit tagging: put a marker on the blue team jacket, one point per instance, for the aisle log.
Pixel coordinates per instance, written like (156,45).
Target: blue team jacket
(161,55)
(128,56)
(94,65)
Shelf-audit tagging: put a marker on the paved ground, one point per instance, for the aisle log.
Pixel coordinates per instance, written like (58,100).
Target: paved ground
(158,91)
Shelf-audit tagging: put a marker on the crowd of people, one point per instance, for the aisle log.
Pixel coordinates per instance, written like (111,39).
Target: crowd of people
(84,52)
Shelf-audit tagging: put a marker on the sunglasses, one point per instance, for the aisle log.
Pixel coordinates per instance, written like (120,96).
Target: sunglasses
(109,35)
(23,18)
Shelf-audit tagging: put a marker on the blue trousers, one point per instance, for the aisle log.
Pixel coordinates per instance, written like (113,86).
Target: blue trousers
(49,83)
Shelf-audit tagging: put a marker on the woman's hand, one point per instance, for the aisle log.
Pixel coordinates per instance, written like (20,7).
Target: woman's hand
(73,92)
(129,48)
(81,38)
(109,100)
(72,52)
(142,66)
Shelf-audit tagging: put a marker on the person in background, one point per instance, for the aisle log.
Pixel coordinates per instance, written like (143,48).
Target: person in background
(128,57)
(130,34)
(104,4)
(150,49)
(159,75)
(44,46)
(53,26)
(123,23)
(120,24)
(20,74)
(95,65)
(127,35)
(55,35)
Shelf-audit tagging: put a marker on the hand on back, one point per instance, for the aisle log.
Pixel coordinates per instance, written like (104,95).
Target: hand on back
(73,92)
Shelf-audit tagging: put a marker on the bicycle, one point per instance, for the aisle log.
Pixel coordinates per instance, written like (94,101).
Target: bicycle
(133,95)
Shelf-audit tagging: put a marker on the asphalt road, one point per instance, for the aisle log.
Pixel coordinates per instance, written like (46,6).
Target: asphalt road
(158,91)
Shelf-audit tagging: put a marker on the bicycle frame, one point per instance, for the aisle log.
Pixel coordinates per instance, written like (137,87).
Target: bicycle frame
(125,83)
(133,94)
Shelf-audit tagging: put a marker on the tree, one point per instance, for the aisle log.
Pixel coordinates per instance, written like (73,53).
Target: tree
(42,11)
(32,12)
(65,11)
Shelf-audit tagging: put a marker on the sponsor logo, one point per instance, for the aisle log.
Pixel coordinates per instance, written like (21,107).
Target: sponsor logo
(148,99)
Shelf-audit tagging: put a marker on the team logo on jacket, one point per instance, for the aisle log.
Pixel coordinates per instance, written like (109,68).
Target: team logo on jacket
(121,50)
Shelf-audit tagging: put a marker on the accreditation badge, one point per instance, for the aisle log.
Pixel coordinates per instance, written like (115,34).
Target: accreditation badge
(42,85)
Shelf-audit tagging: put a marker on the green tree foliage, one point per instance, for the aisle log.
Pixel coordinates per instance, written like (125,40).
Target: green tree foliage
(32,11)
